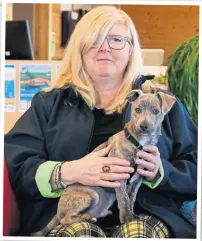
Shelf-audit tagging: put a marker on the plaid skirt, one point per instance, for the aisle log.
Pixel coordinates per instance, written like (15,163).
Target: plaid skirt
(142,227)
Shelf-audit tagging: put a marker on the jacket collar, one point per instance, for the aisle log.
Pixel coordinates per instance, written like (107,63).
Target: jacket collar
(70,96)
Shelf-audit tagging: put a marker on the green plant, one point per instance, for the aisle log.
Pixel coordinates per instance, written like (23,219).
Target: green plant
(161,79)
(182,73)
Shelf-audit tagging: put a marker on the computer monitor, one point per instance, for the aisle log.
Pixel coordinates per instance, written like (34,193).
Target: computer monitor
(67,27)
(18,41)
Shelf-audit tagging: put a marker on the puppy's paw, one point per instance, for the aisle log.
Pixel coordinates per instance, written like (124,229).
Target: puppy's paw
(93,220)
(89,218)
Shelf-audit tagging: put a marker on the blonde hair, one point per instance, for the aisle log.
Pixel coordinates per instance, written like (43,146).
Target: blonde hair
(96,23)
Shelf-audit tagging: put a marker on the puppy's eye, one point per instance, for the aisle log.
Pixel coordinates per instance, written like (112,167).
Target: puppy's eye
(155,111)
(138,110)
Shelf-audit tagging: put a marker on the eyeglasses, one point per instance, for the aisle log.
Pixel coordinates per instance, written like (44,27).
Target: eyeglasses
(116,42)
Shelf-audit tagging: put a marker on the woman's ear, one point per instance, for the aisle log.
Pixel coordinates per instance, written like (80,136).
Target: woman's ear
(130,51)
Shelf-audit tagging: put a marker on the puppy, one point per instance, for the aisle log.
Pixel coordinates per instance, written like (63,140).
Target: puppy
(86,203)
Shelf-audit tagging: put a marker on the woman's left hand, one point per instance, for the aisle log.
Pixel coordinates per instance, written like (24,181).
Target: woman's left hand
(150,162)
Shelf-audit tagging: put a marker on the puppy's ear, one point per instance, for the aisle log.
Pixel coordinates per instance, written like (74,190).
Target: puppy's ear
(133,95)
(148,87)
(166,100)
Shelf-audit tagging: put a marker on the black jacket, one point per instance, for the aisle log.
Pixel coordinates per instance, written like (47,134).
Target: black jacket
(59,126)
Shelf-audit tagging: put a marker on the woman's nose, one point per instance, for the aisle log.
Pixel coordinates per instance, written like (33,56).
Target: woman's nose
(105,46)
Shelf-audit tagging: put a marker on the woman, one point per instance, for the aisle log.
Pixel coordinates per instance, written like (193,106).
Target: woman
(51,145)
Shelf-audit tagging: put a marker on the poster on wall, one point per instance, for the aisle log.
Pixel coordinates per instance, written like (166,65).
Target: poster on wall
(10,88)
(33,78)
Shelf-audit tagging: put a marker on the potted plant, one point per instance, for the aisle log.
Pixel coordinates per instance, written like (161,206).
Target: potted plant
(182,74)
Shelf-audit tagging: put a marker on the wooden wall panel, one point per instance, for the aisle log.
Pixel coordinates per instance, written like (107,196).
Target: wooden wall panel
(9,11)
(41,31)
(164,26)
(56,28)
(159,26)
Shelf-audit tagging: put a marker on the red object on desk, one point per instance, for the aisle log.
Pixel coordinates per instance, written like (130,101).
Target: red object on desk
(10,208)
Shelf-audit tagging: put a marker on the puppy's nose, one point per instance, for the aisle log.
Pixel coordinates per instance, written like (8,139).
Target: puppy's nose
(143,127)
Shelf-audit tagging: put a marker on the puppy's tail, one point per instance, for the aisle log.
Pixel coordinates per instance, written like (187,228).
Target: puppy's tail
(52,224)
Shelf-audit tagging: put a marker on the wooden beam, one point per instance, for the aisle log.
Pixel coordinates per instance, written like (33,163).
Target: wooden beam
(41,31)
(9,11)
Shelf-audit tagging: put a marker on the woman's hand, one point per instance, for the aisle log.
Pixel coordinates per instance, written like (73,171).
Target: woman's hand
(150,162)
(88,170)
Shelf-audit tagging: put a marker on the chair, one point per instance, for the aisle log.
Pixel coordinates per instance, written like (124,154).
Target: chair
(10,208)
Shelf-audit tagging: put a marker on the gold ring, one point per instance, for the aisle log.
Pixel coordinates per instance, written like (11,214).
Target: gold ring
(106,169)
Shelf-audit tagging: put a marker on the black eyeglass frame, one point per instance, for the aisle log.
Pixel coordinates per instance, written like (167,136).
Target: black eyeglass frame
(123,37)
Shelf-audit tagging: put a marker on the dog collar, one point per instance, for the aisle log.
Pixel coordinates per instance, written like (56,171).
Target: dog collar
(132,139)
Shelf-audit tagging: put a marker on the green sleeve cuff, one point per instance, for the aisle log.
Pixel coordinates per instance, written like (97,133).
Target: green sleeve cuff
(42,178)
(153,184)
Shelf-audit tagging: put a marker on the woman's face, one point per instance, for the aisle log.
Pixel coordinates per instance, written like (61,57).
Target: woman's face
(106,61)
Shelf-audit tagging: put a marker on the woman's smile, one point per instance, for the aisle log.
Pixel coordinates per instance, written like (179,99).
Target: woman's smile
(104,60)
